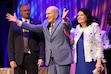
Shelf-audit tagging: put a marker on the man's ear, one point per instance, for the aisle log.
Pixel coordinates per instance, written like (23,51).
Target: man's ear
(56,15)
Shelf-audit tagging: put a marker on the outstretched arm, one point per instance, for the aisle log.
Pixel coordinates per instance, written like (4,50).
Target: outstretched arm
(31,27)
(12,18)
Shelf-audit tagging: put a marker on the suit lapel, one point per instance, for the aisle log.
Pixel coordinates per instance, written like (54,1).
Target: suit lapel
(47,24)
(31,21)
(58,21)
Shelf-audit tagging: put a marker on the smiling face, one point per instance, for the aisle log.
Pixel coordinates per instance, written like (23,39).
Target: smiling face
(51,14)
(81,17)
(84,17)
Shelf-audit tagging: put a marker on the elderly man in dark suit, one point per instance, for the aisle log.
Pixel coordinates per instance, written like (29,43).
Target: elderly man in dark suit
(57,44)
(25,48)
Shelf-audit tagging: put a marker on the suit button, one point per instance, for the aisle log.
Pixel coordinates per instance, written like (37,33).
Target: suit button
(91,50)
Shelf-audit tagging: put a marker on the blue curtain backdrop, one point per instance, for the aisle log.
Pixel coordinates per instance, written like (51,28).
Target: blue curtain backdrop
(99,8)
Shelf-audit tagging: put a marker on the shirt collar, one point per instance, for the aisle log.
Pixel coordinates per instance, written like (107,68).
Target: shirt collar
(24,20)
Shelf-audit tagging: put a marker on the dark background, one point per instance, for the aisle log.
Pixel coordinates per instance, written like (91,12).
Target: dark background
(5,6)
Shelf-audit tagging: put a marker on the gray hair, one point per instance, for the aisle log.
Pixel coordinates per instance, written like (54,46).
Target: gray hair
(24,4)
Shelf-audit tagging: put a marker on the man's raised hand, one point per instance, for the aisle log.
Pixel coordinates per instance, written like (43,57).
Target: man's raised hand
(12,18)
(64,14)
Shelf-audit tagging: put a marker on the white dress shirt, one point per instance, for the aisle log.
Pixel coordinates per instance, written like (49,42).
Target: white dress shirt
(26,39)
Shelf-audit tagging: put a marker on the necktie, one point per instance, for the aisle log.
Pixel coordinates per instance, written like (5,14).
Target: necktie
(26,36)
(50,28)
(26,49)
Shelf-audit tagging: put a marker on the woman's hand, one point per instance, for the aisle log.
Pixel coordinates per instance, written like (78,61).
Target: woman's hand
(98,67)
(69,36)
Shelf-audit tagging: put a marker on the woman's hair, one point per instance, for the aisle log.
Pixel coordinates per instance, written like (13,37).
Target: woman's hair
(88,15)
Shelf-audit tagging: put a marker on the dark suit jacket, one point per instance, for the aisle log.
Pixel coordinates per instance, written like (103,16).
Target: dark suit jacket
(15,44)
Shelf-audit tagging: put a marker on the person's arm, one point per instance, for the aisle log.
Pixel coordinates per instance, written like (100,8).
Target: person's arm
(11,44)
(41,53)
(13,18)
(11,47)
(64,14)
(98,46)
(66,21)
(68,34)
(31,27)
(42,49)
